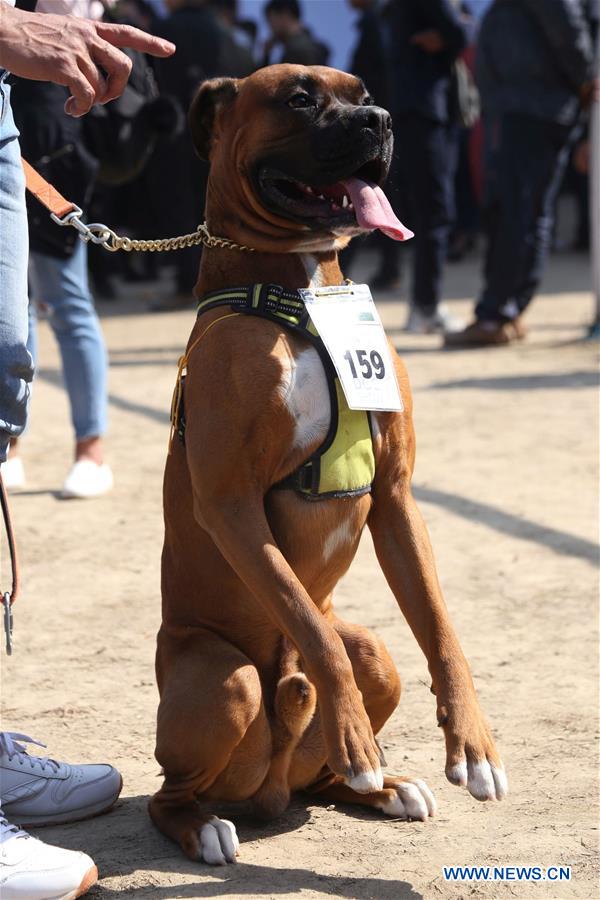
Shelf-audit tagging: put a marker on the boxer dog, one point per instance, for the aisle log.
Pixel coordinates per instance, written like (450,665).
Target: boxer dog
(264,690)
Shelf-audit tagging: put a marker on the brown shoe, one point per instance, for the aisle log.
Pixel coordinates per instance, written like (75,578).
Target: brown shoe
(486,334)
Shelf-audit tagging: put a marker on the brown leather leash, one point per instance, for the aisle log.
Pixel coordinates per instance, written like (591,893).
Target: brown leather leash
(9,597)
(46,193)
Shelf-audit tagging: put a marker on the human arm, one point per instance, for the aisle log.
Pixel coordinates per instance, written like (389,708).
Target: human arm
(447,33)
(78,53)
(564,27)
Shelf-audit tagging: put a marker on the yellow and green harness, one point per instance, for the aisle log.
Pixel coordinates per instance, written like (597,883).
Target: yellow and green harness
(344,464)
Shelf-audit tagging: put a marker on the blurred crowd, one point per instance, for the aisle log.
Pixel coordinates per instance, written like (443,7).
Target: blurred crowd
(131,164)
(489,101)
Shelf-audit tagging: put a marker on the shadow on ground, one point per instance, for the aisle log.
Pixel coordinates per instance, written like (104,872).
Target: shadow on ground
(141,847)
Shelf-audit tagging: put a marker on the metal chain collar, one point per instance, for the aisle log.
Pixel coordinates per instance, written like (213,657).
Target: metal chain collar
(103,236)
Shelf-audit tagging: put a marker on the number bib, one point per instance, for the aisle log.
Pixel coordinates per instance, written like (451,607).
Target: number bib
(349,325)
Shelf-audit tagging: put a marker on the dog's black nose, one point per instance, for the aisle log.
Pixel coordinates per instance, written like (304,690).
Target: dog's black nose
(375,118)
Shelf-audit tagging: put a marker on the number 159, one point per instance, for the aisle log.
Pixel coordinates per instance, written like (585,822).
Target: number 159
(370,363)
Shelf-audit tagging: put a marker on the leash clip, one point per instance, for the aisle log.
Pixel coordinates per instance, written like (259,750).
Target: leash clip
(95,233)
(71,218)
(8,622)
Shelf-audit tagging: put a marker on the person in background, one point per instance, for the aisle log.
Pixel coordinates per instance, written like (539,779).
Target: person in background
(535,73)
(236,58)
(424,38)
(241,33)
(369,62)
(291,41)
(33,789)
(204,49)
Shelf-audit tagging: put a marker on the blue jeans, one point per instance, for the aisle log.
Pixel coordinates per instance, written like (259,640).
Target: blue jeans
(525,160)
(62,285)
(16,368)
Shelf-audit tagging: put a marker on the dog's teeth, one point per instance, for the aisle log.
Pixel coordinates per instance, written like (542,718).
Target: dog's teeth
(321,196)
(344,202)
(308,189)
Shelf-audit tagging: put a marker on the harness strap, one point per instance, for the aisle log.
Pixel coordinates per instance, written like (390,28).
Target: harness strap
(176,403)
(285,308)
(261,299)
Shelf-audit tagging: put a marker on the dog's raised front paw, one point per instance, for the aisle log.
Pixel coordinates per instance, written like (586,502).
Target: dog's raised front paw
(219,842)
(408,798)
(472,760)
(484,779)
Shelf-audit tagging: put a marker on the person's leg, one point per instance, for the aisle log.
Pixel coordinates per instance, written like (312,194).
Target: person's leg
(62,285)
(525,161)
(466,223)
(16,368)
(528,159)
(438,146)
(13,470)
(28,867)
(552,144)
(428,157)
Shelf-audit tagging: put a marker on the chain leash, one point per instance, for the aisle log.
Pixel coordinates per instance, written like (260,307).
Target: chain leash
(103,236)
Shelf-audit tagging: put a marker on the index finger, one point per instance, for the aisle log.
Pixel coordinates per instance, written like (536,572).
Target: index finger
(117,66)
(134,39)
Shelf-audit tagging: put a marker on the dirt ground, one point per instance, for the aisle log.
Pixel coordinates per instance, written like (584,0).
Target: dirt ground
(507,479)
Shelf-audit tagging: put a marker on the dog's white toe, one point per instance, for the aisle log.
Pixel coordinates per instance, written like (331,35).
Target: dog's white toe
(483,779)
(366,782)
(457,774)
(500,781)
(413,800)
(428,796)
(219,842)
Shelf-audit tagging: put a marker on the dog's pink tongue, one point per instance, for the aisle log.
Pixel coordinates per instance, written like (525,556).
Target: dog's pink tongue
(373,209)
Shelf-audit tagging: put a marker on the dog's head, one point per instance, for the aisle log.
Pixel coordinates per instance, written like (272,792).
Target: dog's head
(298,154)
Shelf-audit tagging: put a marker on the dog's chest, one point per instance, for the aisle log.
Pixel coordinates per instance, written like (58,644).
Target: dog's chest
(304,391)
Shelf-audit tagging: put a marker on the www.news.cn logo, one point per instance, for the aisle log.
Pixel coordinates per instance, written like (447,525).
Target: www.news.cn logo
(507,873)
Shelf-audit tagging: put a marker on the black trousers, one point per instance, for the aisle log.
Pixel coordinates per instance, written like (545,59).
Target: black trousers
(427,156)
(524,159)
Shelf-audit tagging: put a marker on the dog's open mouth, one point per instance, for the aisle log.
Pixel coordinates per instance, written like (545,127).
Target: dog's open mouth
(355,203)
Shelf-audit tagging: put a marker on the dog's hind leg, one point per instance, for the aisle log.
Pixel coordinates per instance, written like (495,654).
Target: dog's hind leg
(213,738)
(295,702)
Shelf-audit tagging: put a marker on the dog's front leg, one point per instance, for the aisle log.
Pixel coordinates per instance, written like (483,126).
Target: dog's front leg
(242,534)
(404,552)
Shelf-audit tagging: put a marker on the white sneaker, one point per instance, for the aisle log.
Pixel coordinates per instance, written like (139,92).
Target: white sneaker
(87,479)
(38,791)
(32,870)
(13,473)
(440,322)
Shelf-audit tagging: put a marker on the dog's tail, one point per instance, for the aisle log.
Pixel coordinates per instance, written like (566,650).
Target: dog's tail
(295,702)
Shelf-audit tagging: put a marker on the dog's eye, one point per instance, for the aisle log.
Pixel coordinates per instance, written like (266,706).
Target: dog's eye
(301,101)
(367,101)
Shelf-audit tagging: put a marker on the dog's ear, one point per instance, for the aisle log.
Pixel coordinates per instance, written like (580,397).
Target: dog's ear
(211,97)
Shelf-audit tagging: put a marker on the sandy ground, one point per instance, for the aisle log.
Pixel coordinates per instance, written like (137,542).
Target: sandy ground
(507,479)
